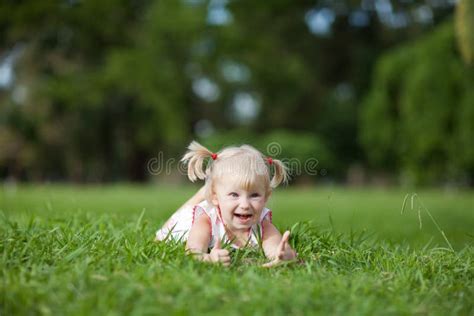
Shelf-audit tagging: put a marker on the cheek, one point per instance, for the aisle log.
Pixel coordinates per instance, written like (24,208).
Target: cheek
(259,204)
(227,210)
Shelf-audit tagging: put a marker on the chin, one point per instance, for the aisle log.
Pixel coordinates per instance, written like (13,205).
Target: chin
(243,226)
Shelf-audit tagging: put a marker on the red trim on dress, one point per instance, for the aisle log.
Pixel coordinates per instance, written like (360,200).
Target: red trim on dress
(269,214)
(219,219)
(194,214)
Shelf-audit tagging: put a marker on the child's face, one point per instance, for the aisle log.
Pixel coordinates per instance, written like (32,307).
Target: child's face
(240,208)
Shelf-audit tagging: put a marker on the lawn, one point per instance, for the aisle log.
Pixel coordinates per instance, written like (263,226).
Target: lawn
(81,250)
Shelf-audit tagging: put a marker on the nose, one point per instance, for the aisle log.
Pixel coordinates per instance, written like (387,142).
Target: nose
(244,203)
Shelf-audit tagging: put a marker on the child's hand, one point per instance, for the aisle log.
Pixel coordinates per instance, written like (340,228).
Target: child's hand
(219,255)
(283,252)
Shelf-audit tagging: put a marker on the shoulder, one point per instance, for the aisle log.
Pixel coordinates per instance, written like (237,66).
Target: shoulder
(205,207)
(203,204)
(200,221)
(266,215)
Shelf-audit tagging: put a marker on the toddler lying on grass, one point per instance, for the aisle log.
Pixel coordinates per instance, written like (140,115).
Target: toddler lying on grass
(230,207)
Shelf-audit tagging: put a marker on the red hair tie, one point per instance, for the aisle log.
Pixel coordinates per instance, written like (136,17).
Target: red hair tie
(214,156)
(270,161)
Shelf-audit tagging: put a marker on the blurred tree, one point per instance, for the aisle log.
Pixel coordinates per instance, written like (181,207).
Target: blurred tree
(110,89)
(419,112)
(464,29)
(102,86)
(151,75)
(65,44)
(310,63)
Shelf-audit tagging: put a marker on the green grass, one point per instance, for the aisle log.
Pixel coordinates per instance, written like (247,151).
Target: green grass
(89,250)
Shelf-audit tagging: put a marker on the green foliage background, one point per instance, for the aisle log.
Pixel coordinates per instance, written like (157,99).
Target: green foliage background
(102,87)
(419,114)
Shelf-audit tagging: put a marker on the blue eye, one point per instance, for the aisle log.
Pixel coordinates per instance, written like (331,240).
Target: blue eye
(233,194)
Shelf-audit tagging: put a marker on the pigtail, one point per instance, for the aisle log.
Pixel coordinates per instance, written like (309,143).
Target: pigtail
(280,172)
(195,157)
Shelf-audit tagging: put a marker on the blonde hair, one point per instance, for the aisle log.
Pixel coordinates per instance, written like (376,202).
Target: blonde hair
(245,164)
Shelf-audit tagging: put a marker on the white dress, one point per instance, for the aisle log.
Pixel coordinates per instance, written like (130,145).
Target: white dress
(179,225)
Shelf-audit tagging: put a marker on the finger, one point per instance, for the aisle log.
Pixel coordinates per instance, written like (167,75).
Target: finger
(225,260)
(224,263)
(266,265)
(217,245)
(224,257)
(214,257)
(270,264)
(222,252)
(284,241)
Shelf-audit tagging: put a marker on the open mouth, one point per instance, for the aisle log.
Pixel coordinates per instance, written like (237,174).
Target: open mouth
(243,216)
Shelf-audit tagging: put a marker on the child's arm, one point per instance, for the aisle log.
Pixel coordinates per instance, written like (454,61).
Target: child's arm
(198,241)
(275,245)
